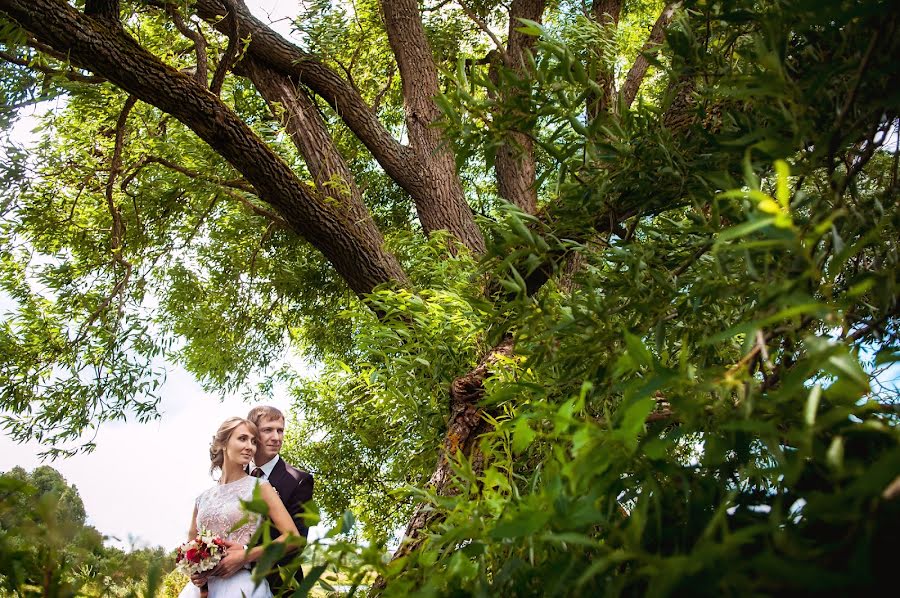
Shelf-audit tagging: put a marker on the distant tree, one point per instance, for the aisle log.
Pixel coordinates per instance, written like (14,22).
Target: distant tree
(46,548)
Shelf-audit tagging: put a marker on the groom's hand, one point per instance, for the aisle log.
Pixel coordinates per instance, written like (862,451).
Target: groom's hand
(232,562)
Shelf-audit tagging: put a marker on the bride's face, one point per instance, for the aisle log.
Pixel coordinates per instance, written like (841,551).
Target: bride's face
(241,446)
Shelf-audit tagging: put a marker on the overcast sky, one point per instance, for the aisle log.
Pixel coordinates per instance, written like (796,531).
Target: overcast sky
(142,479)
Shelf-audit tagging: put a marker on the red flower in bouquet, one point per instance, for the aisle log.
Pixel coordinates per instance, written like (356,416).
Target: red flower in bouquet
(201,554)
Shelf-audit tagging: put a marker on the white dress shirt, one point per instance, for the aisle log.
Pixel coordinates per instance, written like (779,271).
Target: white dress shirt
(267,468)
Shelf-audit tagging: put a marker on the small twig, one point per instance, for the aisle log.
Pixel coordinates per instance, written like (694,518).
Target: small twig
(200,75)
(71,75)
(746,359)
(231,51)
(239,184)
(229,187)
(862,158)
(696,256)
(259,211)
(117,233)
(483,26)
(851,97)
(874,324)
(848,103)
(376,104)
(763,352)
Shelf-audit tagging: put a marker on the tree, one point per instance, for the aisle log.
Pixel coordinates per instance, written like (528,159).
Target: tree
(46,549)
(610,296)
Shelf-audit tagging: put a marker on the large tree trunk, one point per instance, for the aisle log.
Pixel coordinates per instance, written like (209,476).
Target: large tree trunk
(464,426)
(447,207)
(605,13)
(354,248)
(514,165)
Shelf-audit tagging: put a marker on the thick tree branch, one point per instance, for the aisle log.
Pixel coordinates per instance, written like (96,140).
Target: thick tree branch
(514,165)
(401,163)
(105,9)
(636,74)
(307,129)
(231,51)
(354,248)
(445,206)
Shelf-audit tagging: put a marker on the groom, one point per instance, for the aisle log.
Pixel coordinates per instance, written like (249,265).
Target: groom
(294,486)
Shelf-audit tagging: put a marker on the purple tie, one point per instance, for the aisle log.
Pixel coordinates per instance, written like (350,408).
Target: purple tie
(257,472)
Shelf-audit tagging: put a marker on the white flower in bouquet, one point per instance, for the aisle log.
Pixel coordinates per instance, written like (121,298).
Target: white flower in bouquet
(201,554)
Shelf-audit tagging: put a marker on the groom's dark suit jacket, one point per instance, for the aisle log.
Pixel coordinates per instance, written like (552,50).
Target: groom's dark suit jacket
(295,487)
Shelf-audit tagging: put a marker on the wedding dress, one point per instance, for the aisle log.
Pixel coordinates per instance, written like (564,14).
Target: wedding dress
(218,511)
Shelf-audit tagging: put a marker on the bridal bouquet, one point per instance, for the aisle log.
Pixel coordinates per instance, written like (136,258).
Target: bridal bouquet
(200,554)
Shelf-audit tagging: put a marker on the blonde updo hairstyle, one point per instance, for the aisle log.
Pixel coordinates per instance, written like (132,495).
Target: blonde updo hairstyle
(220,440)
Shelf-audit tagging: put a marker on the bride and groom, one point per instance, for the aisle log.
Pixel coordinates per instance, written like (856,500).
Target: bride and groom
(246,451)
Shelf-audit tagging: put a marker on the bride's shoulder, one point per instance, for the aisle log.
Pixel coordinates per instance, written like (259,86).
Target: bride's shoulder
(208,492)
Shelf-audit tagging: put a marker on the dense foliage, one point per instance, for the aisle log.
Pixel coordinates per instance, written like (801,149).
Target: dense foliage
(702,394)
(47,550)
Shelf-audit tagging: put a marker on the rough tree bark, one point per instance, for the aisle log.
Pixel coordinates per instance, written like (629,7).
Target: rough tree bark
(639,69)
(106,9)
(447,207)
(407,167)
(605,13)
(304,124)
(514,165)
(465,426)
(354,248)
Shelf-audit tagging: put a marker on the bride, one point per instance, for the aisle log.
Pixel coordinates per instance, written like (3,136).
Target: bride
(218,510)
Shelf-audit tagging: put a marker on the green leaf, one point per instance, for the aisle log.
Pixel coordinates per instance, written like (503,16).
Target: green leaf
(523,436)
(782,190)
(844,365)
(523,523)
(812,405)
(309,580)
(744,229)
(637,350)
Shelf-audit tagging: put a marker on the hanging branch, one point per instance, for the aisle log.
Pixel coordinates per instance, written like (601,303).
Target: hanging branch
(239,184)
(70,75)
(231,186)
(483,26)
(651,47)
(195,36)
(231,51)
(117,231)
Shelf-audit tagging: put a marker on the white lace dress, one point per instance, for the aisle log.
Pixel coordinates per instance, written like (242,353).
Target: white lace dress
(218,510)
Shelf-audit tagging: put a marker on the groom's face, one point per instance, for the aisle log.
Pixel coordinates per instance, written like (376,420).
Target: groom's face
(271,434)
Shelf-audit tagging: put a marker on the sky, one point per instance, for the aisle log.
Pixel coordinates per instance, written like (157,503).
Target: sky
(141,481)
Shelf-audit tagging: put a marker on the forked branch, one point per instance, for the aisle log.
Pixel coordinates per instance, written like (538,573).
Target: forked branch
(651,47)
